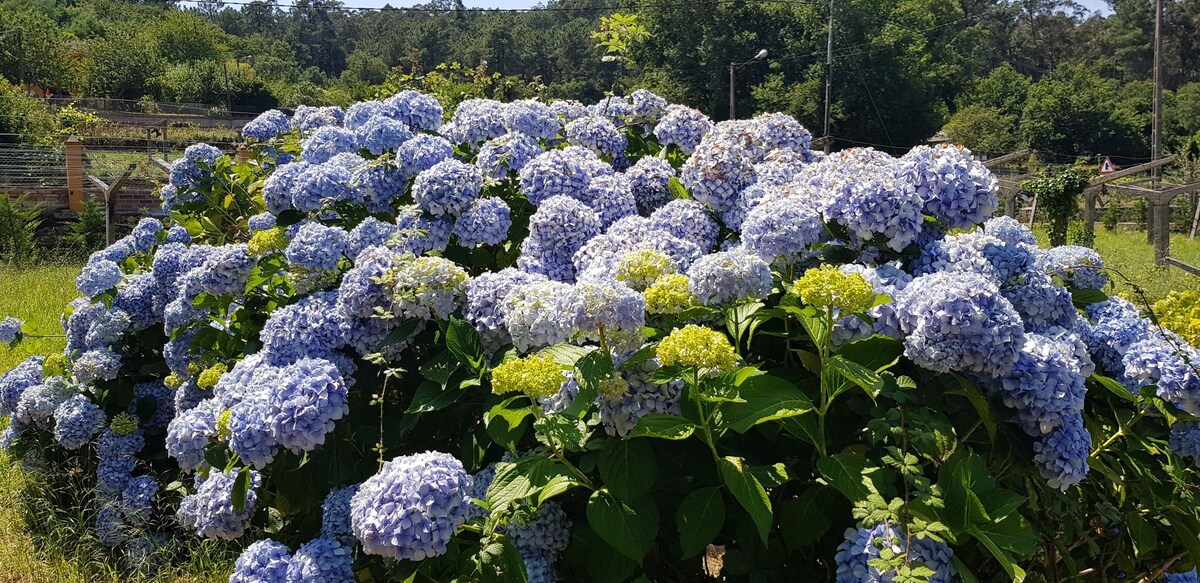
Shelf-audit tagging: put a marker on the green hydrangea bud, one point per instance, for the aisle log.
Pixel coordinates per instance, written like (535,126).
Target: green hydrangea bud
(697,347)
(267,241)
(223,425)
(54,365)
(640,269)
(173,381)
(828,286)
(208,379)
(669,295)
(124,424)
(534,375)
(612,388)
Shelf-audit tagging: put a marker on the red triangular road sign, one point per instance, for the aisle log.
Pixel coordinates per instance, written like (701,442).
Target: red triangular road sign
(1108,167)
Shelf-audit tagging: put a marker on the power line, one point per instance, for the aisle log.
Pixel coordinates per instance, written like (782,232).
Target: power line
(420,10)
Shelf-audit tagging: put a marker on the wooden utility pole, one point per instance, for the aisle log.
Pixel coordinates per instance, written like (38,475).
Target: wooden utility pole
(828,72)
(1156,135)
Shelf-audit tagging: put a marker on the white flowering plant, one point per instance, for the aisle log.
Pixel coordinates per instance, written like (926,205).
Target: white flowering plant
(617,342)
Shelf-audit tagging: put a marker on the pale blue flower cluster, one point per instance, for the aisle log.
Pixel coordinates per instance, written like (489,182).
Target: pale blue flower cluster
(959,322)
(643,397)
(716,172)
(76,421)
(683,127)
(321,560)
(1079,267)
(447,188)
(141,299)
(421,234)
(484,306)
(316,247)
(728,277)
(412,507)
(209,511)
(326,142)
(508,153)
(862,545)
(533,313)
(559,227)
(687,220)
(422,153)
(649,180)
(16,380)
(317,185)
(597,134)
(532,118)
(554,173)
(547,532)
(264,561)
(308,118)
(189,432)
(475,121)
(422,113)
(953,185)
(382,134)
(335,515)
(196,164)
(268,125)
(10,327)
(98,277)
(158,399)
(781,228)
(485,222)
(606,311)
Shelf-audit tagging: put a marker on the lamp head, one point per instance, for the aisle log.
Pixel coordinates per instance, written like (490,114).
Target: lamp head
(761,55)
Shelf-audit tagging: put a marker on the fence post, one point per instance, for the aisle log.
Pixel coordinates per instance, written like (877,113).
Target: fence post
(1089,211)
(74,162)
(1161,231)
(242,155)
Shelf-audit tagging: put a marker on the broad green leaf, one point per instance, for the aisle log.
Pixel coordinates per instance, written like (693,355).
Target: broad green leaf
(813,321)
(557,485)
(804,519)
(663,427)
(748,492)
(964,572)
(1083,298)
(700,518)
(505,423)
(1002,538)
(462,340)
(766,398)
(771,476)
(804,427)
(565,354)
(643,354)
(877,353)
(502,562)
(628,468)
(677,189)
(241,489)
(440,368)
(846,473)
(593,367)
(629,527)
(562,431)
(967,389)
(1113,387)
(863,377)
(1141,533)
(1187,533)
(523,478)
(741,322)
(430,396)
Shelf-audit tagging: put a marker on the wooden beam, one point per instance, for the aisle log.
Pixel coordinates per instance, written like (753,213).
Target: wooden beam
(1167,193)
(116,186)
(163,164)
(1006,158)
(1106,178)
(818,142)
(99,184)
(1192,269)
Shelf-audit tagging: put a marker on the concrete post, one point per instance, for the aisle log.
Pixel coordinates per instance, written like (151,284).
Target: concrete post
(1089,211)
(242,155)
(1161,232)
(74,163)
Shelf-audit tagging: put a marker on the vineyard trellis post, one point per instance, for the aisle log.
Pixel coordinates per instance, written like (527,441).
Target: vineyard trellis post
(110,201)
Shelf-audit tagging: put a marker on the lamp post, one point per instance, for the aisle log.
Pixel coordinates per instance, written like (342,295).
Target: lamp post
(733,67)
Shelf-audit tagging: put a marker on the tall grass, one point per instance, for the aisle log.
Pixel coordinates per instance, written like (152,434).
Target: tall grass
(38,296)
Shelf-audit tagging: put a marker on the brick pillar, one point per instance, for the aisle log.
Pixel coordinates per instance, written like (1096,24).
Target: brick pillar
(74,148)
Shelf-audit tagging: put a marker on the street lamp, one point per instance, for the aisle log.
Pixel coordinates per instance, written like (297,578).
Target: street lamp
(762,54)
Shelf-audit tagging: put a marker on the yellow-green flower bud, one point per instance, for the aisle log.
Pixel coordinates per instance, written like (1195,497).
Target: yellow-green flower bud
(612,388)
(267,241)
(669,295)
(827,286)
(124,424)
(211,375)
(534,375)
(699,347)
(223,425)
(173,381)
(640,269)
(54,365)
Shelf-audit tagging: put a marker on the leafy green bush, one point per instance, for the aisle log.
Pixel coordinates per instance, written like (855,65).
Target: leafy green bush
(18,226)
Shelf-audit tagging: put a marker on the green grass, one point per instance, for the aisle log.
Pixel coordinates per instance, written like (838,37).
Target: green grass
(38,296)
(1131,262)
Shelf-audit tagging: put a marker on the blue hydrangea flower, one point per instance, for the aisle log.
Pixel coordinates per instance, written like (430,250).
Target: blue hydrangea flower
(643,397)
(1045,385)
(140,298)
(716,172)
(9,328)
(326,142)
(1009,230)
(1041,303)
(646,107)
(447,188)
(98,277)
(547,532)
(873,204)
(781,228)
(1080,267)
(533,314)
(209,511)
(250,435)
(422,113)
(1184,577)
(113,444)
(608,308)
(563,224)
(161,400)
(569,109)
(611,196)
(178,234)
(380,184)
(76,421)
(427,288)
(412,507)
(959,322)
(322,560)
(100,364)
(224,270)
(310,397)
(420,234)
(1185,440)
(261,222)
(484,306)
(597,134)
(778,168)
(145,234)
(84,315)
(264,561)
(36,404)
(16,380)
(862,545)
(110,526)
(113,474)
(362,112)
(319,185)
(382,134)
(317,248)
(1153,360)
(370,233)
(188,395)
(780,131)
(475,121)
(195,165)
(648,180)
(308,118)
(729,276)
(278,187)
(268,125)
(106,329)
(683,127)
(335,515)
(532,118)
(137,499)
(554,173)
(539,568)
(485,222)
(953,185)
(508,153)
(544,260)
(1062,455)
(976,252)
(189,432)
(422,152)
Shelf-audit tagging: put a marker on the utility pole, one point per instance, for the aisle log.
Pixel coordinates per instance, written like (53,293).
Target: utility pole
(828,73)
(1156,132)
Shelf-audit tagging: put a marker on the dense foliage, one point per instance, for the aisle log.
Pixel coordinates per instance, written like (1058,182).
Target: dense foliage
(529,341)
(997,74)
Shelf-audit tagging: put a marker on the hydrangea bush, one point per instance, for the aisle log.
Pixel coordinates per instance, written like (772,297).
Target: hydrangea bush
(615,342)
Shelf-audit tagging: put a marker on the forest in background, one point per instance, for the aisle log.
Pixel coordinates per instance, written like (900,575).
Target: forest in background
(993,74)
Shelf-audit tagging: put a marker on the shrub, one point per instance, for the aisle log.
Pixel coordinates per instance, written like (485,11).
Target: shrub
(799,367)
(1111,216)
(86,231)
(18,226)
